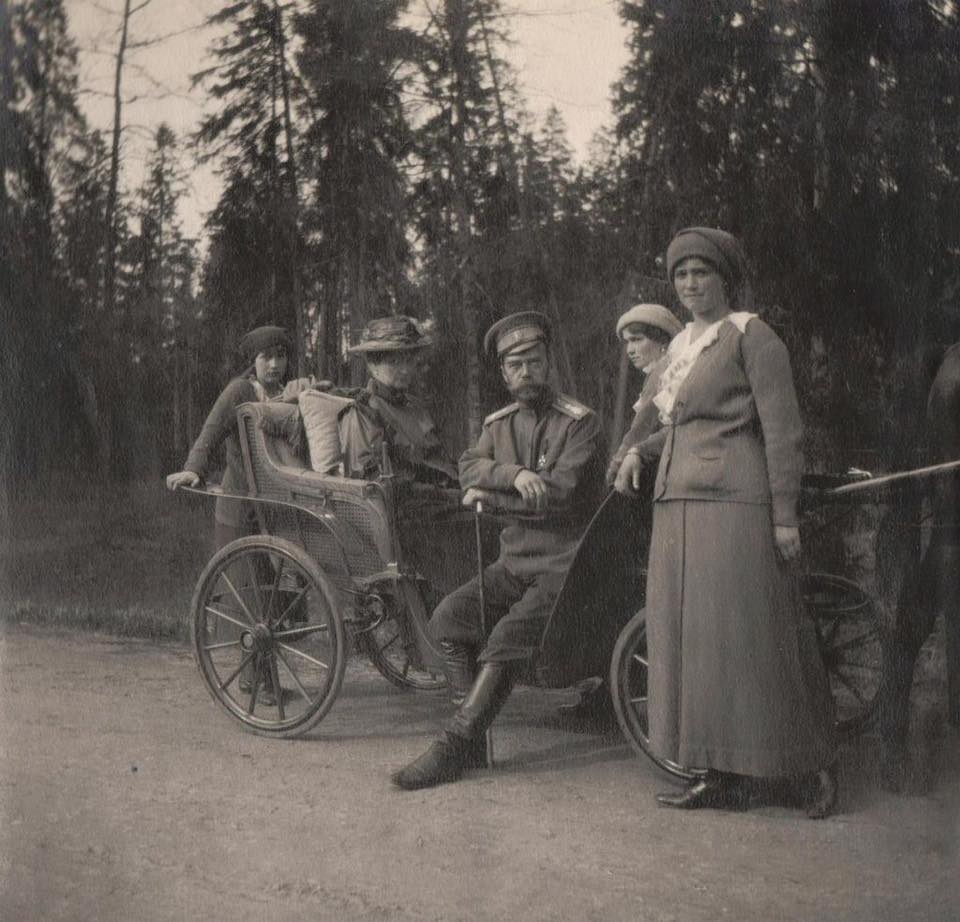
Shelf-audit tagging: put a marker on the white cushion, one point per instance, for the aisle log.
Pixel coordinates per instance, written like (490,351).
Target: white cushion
(320,411)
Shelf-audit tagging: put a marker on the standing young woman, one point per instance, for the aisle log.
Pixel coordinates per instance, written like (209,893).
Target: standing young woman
(265,350)
(737,688)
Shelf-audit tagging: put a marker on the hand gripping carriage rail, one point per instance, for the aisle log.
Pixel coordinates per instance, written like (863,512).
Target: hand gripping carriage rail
(346,565)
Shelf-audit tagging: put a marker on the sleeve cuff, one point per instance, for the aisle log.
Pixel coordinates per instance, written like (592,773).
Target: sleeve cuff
(785,511)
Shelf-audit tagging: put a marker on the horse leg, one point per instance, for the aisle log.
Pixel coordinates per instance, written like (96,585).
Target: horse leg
(916,612)
(951,619)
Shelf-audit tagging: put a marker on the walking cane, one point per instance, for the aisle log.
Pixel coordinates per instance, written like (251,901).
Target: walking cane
(488,734)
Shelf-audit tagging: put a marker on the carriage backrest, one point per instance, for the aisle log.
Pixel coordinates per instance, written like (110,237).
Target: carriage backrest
(345,525)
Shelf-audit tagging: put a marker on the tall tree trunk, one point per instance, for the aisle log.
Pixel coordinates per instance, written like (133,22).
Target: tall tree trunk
(291,214)
(110,210)
(6,102)
(456,18)
(109,374)
(529,237)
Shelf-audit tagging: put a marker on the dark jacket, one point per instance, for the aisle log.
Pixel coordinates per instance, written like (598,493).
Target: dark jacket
(646,418)
(736,431)
(386,415)
(561,441)
(220,428)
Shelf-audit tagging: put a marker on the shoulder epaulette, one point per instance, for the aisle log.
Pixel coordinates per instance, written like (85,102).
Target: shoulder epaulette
(570,407)
(503,411)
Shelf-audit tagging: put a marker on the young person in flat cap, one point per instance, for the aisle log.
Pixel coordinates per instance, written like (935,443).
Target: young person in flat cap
(265,351)
(542,455)
(387,411)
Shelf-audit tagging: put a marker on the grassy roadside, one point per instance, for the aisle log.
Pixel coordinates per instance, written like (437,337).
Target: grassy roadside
(121,560)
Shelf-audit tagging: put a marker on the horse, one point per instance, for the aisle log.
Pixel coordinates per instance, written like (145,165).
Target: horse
(931,580)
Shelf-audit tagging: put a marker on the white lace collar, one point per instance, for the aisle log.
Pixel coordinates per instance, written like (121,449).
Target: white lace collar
(682,355)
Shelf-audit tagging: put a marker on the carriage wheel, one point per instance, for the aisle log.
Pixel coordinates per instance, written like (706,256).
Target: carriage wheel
(853,641)
(628,686)
(267,637)
(392,648)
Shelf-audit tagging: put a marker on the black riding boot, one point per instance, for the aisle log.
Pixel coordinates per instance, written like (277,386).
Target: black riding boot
(460,668)
(456,751)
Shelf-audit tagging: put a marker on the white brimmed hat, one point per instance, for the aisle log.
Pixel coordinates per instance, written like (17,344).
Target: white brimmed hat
(653,315)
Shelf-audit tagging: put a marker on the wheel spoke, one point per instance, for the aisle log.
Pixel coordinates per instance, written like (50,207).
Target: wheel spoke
(236,595)
(221,646)
(243,662)
(640,660)
(226,617)
(276,585)
(253,692)
(300,653)
(257,594)
(298,633)
(390,642)
(277,688)
(295,677)
(297,598)
(643,699)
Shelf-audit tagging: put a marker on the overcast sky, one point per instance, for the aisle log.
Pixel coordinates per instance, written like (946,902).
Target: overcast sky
(567,53)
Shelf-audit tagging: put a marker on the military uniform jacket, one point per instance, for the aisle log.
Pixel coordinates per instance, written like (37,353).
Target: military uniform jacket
(561,441)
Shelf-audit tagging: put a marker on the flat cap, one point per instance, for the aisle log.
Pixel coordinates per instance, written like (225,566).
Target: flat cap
(391,334)
(712,244)
(653,315)
(517,332)
(263,338)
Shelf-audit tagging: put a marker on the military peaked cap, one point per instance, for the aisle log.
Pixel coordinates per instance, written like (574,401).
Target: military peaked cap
(517,332)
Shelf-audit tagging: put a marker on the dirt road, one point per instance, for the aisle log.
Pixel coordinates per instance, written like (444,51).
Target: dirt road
(125,795)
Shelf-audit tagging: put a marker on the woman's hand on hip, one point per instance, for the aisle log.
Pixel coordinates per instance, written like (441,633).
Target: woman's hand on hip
(787,539)
(628,477)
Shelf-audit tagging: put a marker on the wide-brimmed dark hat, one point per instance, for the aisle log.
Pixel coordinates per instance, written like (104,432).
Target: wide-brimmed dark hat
(391,334)
(517,332)
(263,338)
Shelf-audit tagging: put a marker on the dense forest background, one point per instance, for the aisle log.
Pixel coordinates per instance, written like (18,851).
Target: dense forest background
(377,164)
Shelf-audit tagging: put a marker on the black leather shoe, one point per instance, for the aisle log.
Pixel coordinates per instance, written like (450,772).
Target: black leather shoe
(446,760)
(707,791)
(824,798)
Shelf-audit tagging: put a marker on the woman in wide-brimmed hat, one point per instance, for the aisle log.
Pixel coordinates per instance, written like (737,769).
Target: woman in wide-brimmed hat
(736,686)
(392,348)
(646,331)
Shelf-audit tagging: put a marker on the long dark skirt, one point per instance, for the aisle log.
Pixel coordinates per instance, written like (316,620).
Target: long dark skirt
(736,682)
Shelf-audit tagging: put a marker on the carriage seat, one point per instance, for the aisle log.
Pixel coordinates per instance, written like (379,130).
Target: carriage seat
(273,438)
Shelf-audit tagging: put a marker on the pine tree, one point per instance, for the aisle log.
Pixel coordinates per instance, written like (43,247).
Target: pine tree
(355,62)
(254,135)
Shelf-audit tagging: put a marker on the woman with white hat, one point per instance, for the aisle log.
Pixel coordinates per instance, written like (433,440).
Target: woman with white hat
(646,330)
